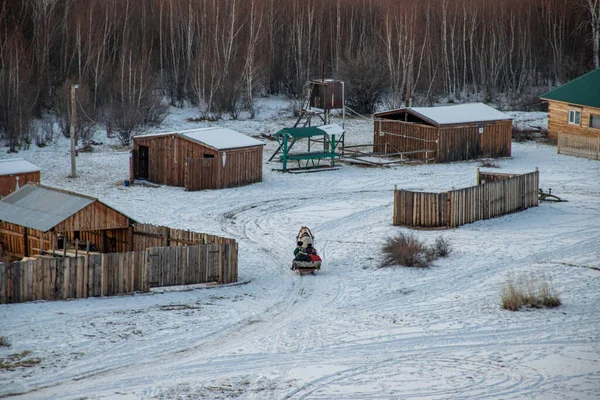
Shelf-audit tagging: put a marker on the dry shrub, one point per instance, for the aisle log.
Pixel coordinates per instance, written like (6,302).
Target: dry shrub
(530,292)
(407,250)
(489,164)
(442,247)
(521,134)
(4,342)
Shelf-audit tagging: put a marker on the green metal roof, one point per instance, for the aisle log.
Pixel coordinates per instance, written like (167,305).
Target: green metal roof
(584,91)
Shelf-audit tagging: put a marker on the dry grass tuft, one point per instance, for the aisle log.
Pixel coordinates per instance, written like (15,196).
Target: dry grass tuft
(4,342)
(530,292)
(407,250)
(18,360)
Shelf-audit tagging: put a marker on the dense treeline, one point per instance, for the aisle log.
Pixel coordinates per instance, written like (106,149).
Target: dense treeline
(129,55)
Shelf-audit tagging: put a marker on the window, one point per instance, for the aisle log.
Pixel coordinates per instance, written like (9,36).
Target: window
(574,117)
(594,121)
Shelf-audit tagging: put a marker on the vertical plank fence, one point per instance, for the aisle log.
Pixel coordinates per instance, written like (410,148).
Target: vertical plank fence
(498,194)
(579,146)
(55,278)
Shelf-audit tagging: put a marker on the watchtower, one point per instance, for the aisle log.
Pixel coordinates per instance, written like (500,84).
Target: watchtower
(322,96)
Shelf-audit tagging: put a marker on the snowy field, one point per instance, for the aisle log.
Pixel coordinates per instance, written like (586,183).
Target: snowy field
(354,331)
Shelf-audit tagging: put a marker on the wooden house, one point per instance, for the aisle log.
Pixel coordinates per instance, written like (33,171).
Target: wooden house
(16,172)
(574,108)
(209,158)
(38,218)
(444,134)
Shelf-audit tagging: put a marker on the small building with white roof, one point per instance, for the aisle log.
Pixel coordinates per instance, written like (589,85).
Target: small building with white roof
(445,133)
(197,159)
(15,173)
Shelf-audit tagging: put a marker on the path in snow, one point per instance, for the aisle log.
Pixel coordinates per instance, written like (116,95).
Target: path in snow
(352,331)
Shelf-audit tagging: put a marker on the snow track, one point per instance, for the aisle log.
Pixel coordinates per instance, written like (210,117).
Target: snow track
(353,331)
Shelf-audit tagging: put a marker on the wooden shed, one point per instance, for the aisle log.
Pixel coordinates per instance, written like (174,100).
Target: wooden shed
(16,172)
(38,218)
(209,158)
(444,134)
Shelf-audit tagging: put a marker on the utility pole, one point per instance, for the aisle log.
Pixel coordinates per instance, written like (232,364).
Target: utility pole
(73,122)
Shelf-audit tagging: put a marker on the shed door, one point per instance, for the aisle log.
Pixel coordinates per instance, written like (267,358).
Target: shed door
(143,162)
(201,173)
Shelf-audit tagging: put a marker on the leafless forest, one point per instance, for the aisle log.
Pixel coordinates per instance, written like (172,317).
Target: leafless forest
(133,57)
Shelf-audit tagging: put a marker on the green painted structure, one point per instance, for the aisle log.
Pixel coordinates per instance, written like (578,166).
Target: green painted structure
(287,137)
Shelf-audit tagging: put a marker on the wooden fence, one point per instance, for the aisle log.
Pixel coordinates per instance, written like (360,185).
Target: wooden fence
(147,235)
(53,278)
(579,146)
(495,195)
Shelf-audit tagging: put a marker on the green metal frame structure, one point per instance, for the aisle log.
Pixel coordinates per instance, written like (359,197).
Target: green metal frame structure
(287,137)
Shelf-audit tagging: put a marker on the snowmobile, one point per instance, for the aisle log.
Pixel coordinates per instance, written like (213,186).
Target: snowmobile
(304,240)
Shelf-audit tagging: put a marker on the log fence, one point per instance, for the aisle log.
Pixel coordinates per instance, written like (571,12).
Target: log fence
(495,195)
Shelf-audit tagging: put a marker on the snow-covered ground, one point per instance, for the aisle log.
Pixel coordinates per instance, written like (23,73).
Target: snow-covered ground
(352,331)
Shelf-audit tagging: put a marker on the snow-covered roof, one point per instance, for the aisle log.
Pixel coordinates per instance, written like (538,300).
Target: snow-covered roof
(331,129)
(459,114)
(17,166)
(215,137)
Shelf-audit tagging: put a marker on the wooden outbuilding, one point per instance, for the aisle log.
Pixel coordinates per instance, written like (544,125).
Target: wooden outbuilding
(443,134)
(38,218)
(16,172)
(574,108)
(208,158)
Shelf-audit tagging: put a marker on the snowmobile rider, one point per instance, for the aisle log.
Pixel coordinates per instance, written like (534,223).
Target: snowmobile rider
(300,253)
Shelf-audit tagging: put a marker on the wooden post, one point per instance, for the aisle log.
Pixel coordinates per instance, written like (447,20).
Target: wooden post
(103,244)
(130,238)
(53,239)
(64,246)
(25,243)
(478,177)
(76,247)
(166,241)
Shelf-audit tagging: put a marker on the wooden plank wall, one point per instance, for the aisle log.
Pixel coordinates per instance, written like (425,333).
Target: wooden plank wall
(8,183)
(579,146)
(171,266)
(400,136)
(148,235)
(455,143)
(55,278)
(496,197)
(202,173)
(558,120)
(95,216)
(242,166)
(420,209)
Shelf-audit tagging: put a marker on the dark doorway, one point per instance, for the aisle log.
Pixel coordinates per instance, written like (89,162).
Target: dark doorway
(143,162)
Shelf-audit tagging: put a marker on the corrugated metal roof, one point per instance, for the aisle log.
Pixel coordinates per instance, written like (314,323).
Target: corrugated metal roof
(17,166)
(41,208)
(584,91)
(215,137)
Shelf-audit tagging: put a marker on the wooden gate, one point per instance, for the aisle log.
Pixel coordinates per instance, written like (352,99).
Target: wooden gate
(202,173)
